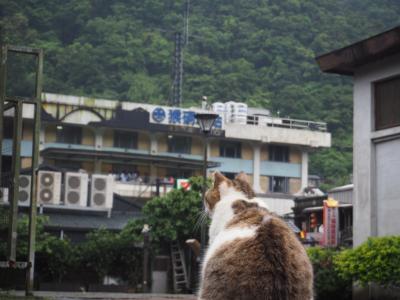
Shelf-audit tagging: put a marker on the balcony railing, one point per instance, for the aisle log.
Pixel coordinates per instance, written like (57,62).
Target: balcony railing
(143,189)
(286,123)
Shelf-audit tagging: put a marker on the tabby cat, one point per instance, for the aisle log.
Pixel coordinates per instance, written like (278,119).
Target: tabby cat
(252,253)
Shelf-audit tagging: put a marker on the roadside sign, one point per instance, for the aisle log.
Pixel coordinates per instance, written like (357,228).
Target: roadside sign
(183,184)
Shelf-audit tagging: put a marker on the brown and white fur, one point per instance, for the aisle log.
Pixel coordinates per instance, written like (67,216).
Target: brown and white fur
(252,253)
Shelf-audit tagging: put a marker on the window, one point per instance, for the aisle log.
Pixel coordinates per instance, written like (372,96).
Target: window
(68,165)
(278,184)
(8,129)
(230,149)
(179,173)
(278,153)
(69,135)
(180,144)
(229,175)
(125,139)
(387,103)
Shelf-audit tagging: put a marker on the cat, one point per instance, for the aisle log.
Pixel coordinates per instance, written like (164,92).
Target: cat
(252,253)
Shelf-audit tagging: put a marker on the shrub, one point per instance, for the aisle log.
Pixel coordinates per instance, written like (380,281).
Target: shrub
(173,216)
(376,260)
(327,282)
(56,258)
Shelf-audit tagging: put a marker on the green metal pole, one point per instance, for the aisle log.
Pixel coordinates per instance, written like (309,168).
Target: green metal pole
(16,165)
(203,233)
(35,160)
(3,72)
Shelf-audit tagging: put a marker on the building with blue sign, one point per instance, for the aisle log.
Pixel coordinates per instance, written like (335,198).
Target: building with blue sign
(158,143)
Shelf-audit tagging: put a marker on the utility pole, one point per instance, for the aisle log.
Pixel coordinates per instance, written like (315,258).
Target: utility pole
(17,103)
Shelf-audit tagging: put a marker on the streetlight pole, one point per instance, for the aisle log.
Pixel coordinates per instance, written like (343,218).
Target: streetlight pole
(203,196)
(206,123)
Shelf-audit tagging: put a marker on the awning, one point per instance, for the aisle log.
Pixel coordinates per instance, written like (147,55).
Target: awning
(320,208)
(117,221)
(164,159)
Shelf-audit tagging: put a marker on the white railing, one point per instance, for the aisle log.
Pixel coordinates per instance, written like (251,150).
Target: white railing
(286,123)
(141,189)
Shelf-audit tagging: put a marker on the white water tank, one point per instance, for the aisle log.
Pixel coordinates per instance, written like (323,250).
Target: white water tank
(236,112)
(218,107)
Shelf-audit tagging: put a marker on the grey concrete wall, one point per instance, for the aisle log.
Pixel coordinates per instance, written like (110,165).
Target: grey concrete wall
(365,141)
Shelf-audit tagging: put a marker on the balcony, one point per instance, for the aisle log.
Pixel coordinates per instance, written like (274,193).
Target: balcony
(267,129)
(267,168)
(79,152)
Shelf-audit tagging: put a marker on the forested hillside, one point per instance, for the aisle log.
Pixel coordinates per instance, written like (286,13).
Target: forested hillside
(258,51)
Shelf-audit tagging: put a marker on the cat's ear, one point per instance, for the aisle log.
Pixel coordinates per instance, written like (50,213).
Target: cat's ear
(218,178)
(242,177)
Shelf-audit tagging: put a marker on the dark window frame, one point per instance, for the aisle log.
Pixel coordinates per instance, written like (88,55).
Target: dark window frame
(284,187)
(387,109)
(179,173)
(278,153)
(125,139)
(69,135)
(229,175)
(180,144)
(230,149)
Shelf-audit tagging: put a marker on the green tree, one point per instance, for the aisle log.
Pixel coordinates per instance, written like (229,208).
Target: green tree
(173,216)
(328,283)
(56,258)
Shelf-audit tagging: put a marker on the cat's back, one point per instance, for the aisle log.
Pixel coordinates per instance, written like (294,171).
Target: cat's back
(264,261)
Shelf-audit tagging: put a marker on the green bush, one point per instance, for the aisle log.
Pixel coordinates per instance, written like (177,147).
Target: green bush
(328,284)
(115,254)
(56,258)
(172,216)
(376,260)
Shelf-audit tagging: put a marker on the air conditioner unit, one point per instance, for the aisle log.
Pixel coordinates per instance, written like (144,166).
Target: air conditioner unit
(76,189)
(24,189)
(4,195)
(102,191)
(49,187)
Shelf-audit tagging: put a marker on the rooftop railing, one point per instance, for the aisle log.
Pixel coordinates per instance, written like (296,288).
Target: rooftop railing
(286,123)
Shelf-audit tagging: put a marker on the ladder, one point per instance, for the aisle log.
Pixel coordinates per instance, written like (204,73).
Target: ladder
(181,282)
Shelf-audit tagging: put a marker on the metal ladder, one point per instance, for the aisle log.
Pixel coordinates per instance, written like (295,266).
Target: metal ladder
(181,282)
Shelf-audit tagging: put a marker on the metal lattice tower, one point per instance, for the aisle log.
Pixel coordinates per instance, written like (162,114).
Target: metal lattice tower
(178,71)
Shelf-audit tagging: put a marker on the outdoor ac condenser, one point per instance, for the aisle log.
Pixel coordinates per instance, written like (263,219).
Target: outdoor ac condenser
(49,187)
(76,189)
(24,189)
(102,191)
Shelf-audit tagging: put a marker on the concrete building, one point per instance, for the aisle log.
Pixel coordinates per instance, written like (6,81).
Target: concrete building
(374,64)
(157,142)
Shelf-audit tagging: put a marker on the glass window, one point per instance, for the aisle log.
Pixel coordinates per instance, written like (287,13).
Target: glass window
(180,144)
(125,139)
(230,149)
(387,103)
(278,153)
(278,184)
(68,165)
(8,129)
(69,134)
(229,175)
(179,173)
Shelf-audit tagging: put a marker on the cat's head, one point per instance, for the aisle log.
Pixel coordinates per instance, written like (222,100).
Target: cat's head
(223,187)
